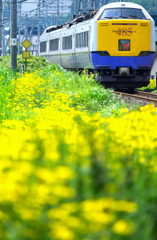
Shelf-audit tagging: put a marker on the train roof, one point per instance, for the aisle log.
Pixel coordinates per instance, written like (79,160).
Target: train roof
(122,4)
(94,14)
(76,19)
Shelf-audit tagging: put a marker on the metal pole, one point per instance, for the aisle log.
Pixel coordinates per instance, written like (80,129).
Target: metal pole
(81,7)
(26,28)
(74,6)
(46,17)
(7,43)
(30,36)
(57,23)
(3,33)
(13,33)
(1,27)
(92,4)
(19,20)
(38,25)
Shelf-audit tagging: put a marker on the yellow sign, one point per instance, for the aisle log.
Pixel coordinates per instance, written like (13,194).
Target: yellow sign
(26,44)
(26,54)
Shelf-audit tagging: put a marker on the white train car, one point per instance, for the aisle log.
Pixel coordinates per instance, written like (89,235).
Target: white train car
(68,47)
(118,43)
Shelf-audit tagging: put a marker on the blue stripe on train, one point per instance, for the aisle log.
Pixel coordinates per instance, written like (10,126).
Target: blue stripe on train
(110,62)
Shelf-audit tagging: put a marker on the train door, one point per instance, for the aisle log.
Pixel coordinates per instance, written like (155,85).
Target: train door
(60,48)
(89,44)
(74,49)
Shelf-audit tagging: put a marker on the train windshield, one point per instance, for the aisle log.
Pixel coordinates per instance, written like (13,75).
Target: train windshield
(122,13)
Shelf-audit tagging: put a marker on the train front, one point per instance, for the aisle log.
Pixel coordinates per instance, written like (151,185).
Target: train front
(125,46)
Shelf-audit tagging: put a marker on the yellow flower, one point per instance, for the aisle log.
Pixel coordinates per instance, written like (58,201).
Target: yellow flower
(124,110)
(122,227)
(61,232)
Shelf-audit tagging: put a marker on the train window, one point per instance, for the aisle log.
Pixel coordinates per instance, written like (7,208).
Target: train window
(67,42)
(82,39)
(54,44)
(86,39)
(43,46)
(122,13)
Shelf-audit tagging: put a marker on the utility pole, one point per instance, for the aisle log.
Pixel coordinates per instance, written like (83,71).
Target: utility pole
(13,33)
(3,33)
(1,27)
(38,25)
(57,23)
(26,28)
(19,20)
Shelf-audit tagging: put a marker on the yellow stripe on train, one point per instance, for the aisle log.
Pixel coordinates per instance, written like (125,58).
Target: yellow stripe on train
(111,32)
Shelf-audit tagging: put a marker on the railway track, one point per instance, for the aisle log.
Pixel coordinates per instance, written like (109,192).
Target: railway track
(140,95)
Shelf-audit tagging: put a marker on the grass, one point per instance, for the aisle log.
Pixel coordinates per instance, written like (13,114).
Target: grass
(33,64)
(83,90)
(86,92)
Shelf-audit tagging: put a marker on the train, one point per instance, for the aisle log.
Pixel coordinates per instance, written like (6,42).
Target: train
(116,42)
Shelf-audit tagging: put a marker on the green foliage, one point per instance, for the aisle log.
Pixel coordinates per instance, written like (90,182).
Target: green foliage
(151,87)
(33,64)
(83,89)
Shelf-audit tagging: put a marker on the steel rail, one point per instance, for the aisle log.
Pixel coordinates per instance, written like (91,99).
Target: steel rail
(149,97)
(148,94)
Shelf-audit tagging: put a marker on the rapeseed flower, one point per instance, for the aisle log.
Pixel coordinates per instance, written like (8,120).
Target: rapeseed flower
(122,227)
(61,168)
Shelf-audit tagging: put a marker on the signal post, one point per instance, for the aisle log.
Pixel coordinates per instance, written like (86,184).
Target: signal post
(26,54)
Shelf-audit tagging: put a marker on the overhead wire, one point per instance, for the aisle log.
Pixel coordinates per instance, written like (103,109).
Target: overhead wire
(22,14)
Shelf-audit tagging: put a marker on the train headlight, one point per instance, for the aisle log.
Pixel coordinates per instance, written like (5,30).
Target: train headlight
(144,53)
(103,53)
